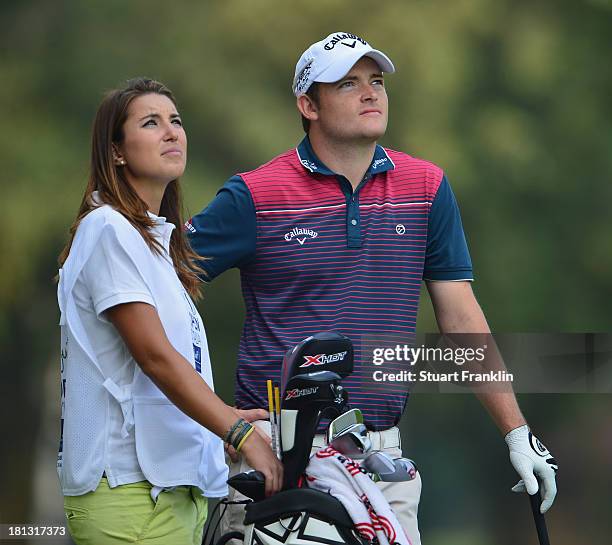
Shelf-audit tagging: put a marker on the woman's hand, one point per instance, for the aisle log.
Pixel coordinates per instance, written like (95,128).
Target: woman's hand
(259,456)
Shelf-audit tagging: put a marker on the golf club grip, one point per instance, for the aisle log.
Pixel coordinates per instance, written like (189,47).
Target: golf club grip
(538,518)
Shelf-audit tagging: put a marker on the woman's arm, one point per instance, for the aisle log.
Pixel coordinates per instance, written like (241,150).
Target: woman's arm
(141,329)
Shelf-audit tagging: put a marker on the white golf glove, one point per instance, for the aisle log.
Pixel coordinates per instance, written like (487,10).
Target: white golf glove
(531,458)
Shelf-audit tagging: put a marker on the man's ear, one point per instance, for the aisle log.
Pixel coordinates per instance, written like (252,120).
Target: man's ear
(307,107)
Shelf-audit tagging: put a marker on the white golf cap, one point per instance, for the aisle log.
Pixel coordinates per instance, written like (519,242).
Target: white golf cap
(331,59)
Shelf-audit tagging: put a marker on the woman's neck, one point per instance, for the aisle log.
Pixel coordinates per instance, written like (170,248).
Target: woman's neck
(151,193)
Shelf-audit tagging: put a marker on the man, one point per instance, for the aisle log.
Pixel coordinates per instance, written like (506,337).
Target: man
(338,234)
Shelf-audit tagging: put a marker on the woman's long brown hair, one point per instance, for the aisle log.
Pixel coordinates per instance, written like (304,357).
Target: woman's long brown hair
(114,189)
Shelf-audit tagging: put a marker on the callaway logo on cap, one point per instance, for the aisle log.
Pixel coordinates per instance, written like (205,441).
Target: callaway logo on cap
(331,59)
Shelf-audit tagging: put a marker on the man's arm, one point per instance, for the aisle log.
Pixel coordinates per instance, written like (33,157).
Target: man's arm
(224,233)
(457,311)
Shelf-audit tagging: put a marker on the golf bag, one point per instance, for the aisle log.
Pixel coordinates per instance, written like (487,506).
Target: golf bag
(311,390)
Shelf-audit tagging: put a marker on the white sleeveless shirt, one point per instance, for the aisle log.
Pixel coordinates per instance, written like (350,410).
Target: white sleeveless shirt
(114,419)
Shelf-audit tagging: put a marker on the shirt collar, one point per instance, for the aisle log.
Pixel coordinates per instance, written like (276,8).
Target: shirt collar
(161,228)
(158,220)
(381,162)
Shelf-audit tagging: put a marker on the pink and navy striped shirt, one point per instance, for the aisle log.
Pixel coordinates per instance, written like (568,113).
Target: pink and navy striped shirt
(315,255)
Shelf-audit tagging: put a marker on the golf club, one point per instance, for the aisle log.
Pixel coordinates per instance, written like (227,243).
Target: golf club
(342,422)
(352,442)
(404,470)
(540,522)
(378,462)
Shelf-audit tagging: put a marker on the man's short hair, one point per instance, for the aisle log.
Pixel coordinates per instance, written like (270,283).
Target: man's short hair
(313,94)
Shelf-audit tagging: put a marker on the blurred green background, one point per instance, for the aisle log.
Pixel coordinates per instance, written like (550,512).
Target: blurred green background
(513,98)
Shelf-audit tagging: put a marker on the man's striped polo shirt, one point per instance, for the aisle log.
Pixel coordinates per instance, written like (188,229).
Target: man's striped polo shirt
(314,255)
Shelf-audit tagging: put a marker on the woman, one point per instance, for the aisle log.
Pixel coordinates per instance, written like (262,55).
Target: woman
(134,459)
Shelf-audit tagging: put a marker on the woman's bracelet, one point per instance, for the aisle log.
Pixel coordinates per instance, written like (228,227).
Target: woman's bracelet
(238,433)
(246,436)
(235,428)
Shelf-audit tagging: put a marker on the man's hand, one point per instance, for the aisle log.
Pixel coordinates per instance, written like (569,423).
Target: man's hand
(250,415)
(530,458)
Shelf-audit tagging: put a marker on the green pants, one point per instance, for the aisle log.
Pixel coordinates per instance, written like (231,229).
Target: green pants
(127,514)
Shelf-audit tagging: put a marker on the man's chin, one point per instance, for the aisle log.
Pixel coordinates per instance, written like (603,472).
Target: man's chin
(374,132)
(371,135)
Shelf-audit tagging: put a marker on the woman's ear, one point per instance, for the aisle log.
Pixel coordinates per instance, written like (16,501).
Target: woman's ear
(118,157)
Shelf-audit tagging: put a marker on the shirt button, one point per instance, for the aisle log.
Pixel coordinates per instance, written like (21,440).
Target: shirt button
(353,222)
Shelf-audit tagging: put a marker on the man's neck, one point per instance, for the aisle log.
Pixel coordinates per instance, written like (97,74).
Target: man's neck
(351,159)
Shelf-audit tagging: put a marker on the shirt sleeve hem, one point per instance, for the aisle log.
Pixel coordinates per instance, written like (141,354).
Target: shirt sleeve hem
(456,275)
(120,298)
